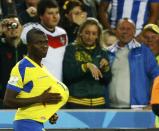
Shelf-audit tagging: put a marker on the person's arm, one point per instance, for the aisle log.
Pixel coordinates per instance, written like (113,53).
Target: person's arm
(72,70)
(78,69)
(106,71)
(24,17)
(46,97)
(93,69)
(102,11)
(154,8)
(155,96)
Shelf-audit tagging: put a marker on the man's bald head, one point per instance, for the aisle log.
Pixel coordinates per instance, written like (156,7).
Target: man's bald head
(125,31)
(121,21)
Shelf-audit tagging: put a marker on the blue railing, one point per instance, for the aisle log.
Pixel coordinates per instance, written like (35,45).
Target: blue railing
(91,119)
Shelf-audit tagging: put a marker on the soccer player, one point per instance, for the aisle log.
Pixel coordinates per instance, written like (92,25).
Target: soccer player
(36,93)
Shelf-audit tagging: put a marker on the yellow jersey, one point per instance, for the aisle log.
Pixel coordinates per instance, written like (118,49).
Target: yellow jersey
(30,80)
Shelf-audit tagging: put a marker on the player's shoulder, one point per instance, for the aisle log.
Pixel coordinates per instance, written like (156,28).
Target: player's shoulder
(19,62)
(23,63)
(15,69)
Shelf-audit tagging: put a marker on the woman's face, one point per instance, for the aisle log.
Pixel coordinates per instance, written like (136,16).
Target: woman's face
(89,35)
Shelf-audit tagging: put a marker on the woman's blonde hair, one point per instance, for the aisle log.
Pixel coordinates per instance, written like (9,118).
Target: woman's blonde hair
(89,21)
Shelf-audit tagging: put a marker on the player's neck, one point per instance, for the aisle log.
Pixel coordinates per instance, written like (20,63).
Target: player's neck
(35,59)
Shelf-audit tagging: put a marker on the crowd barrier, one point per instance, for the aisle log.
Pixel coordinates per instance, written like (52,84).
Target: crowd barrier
(91,119)
(99,129)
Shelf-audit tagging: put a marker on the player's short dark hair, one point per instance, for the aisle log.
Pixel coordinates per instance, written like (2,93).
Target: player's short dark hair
(32,35)
(44,4)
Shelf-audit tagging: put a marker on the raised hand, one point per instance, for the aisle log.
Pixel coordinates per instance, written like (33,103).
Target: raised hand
(32,11)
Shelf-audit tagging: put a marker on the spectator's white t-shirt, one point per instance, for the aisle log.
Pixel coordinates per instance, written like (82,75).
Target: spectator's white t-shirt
(57,42)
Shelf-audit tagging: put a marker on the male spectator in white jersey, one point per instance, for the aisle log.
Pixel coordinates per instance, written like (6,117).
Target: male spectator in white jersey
(48,11)
(140,11)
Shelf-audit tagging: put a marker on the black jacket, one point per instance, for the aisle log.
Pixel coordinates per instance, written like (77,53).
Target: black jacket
(81,84)
(9,56)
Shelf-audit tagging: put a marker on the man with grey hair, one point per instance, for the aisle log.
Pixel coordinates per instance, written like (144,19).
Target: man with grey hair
(134,68)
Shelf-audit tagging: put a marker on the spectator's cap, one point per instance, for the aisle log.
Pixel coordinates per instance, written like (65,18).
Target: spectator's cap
(70,4)
(152,27)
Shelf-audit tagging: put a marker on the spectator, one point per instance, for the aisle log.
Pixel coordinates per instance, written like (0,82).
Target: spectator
(48,12)
(90,7)
(11,50)
(90,71)
(7,7)
(73,18)
(61,4)
(133,68)
(27,11)
(140,11)
(151,38)
(108,39)
(31,88)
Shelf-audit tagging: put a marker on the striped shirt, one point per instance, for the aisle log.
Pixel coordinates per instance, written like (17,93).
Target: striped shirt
(137,10)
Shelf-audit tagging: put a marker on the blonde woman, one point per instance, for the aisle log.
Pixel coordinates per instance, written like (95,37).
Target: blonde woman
(90,71)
